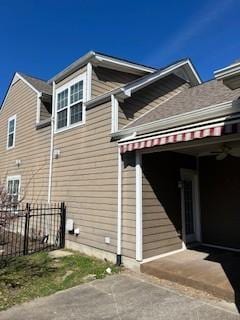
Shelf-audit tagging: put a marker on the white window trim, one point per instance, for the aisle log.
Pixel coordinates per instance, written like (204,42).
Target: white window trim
(67,85)
(14,132)
(17,177)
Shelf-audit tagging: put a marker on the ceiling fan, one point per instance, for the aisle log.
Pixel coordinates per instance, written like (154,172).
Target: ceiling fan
(223,152)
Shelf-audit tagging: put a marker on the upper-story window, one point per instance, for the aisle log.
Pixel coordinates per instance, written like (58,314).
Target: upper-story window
(11,133)
(70,98)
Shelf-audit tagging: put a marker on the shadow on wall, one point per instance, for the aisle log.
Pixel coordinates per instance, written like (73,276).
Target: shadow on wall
(146,96)
(162,200)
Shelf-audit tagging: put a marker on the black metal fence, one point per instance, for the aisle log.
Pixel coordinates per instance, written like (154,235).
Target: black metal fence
(30,228)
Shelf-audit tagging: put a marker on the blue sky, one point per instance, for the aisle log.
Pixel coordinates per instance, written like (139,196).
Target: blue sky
(42,37)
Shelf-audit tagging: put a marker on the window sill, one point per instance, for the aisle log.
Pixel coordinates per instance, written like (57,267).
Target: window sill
(10,148)
(76,125)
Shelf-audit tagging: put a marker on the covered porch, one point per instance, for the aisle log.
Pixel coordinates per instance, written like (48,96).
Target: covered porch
(188,213)
(191,215)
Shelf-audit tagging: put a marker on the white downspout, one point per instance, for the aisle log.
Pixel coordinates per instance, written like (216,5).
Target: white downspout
(51,147)
(119,211)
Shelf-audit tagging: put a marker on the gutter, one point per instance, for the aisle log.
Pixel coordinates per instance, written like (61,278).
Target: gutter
(127,90)
(51,148)
(74,66)
(192,117)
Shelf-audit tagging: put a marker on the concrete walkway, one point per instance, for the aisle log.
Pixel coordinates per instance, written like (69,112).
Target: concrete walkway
(124,296)
(212,270)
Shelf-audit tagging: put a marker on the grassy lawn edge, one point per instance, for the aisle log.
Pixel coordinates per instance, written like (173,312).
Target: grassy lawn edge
(25,278)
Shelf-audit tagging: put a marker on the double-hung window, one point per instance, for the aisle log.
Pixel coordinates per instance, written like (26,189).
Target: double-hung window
(70,100)
(11,133)
(13,188)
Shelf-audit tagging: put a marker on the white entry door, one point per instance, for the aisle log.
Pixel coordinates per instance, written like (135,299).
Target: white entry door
(190,210)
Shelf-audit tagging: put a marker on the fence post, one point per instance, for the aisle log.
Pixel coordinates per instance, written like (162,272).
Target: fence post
(63,225)
(26,229)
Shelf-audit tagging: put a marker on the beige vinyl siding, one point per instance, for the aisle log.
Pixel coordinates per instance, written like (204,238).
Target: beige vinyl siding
(72,76)
(85,177)
(32,146)
(104,80)
(159,234)
(148,98)
(161,204)
(129,205)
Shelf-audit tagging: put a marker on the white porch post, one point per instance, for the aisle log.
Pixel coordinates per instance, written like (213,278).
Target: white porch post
(119,210)
(139,240)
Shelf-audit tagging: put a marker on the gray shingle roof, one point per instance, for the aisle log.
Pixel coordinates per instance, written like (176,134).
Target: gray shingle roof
(193,98)
(38,84)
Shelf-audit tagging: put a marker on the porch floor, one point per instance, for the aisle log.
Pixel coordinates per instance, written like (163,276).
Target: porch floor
(212,270)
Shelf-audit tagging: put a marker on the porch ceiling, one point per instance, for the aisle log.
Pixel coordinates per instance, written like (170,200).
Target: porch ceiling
(208,150)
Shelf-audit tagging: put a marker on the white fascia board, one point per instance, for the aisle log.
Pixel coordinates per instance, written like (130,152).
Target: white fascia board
(123,64)
(98,58)
(127,90)
(141,83)
(72,67)
(17,77)
(222,109)
(227,71)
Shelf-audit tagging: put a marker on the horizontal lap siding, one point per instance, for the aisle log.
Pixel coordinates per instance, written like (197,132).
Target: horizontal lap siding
(31,145)
(129,206)
(162,202)
(104,80)
(148,98)
(85,177)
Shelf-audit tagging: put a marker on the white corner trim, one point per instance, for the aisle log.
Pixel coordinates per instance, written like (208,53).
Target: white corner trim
(38,107)
(89,81)
(139,225)
(119,211)
(114,107)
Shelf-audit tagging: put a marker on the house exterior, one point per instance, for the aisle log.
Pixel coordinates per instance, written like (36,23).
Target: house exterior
(145,159)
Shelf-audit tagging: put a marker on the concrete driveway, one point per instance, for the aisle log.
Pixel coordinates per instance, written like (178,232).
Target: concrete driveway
(124,296)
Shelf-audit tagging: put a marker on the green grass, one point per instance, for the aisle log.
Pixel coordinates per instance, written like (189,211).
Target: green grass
(38,275)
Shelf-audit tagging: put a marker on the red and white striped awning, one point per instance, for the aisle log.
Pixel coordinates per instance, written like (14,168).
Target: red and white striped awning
(180,136)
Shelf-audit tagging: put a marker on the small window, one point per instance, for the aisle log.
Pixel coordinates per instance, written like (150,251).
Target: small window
(13,189)
(70,104)
(11,132)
